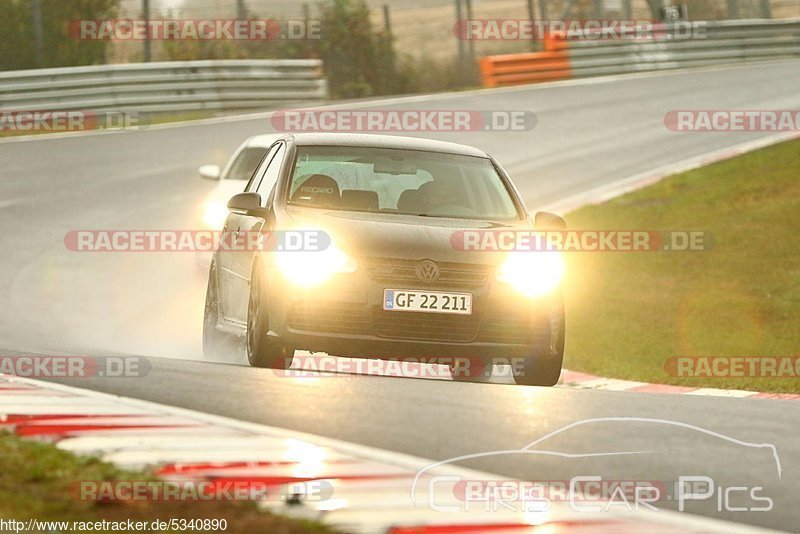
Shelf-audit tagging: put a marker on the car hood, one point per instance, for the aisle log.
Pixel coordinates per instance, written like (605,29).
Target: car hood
(397,236)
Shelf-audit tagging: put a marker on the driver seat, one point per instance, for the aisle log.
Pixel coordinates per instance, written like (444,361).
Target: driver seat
(318,190)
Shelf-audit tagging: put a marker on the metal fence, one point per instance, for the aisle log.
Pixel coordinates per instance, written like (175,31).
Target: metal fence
(165,87)
(684,45)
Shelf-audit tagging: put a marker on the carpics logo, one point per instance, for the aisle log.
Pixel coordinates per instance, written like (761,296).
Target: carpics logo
(70,121)
(383,120)
(448,491)
(194,29)
(592,493)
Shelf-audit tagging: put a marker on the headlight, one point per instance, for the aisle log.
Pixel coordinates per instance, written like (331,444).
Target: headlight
(215,214)
(533,274)
(310,269)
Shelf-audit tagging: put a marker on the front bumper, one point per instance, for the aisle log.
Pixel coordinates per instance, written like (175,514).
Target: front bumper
(345,317)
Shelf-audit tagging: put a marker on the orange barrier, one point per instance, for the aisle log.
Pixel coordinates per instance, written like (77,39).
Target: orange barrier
(512,69)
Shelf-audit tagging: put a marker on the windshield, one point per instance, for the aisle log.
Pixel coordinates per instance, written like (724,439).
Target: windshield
(400,182)
(246,163)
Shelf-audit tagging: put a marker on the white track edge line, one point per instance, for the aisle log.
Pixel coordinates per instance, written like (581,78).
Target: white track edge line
(638,181)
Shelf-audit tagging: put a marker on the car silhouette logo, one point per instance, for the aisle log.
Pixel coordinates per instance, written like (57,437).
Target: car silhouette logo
(427,271)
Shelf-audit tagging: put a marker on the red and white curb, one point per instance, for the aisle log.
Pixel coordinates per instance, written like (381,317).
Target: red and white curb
(571,379)
(314,366)
(371,488)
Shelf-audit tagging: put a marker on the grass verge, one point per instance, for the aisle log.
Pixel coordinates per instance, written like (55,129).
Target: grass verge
(35,477)
(628,313)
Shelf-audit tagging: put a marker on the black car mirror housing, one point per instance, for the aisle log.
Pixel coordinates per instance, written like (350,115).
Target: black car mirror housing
(545,219)
(245,202)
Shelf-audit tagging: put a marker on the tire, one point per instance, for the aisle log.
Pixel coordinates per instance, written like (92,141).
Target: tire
(472,369)
(544,367)
(217,345)
(261,350)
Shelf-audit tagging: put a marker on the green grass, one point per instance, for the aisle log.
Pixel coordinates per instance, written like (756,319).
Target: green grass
(35,477)
(629,312)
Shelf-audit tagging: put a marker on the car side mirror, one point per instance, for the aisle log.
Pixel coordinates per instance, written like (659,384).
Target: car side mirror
(545,219)
(245,202)
(210,172)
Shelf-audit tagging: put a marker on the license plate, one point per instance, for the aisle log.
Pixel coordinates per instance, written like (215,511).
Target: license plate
(427,301)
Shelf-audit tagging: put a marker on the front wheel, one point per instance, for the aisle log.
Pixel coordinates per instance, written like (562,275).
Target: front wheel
(543,368)
(261,350)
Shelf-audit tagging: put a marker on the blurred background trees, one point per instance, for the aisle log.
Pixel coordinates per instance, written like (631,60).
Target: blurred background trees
(369,47)
(36,33)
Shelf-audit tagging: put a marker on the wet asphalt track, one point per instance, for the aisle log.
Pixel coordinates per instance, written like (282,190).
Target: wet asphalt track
(58,302)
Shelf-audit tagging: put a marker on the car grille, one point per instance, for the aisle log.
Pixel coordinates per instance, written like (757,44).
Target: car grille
(333,317)
(514,327)
(508,330)
(403,272)
(507,326)
(424,326)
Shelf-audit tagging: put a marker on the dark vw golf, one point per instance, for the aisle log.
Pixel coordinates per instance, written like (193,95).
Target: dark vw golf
(390,283)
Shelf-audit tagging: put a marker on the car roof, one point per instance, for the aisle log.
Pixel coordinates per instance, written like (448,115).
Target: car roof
(262,141)
(383,141)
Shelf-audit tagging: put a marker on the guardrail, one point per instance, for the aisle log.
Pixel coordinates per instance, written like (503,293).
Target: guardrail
(551,64)
(165,86)
(711,43)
